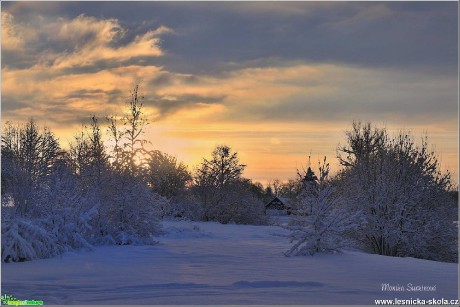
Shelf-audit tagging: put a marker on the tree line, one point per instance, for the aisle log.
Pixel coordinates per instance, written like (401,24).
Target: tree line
(389,197)
(56,200)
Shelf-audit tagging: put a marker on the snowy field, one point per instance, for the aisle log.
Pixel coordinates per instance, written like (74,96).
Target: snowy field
(210,263)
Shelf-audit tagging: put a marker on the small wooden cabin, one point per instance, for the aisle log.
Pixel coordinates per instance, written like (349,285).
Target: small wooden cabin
(277,206)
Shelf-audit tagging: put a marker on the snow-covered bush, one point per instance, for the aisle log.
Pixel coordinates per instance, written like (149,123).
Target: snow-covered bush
(66,210)
(26,238)
(143,212)
(241,206)
(128,212)
(234,203)
(321,222)
(183,206)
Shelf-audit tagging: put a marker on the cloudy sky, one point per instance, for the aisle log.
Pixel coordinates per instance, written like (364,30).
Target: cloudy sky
(273,80)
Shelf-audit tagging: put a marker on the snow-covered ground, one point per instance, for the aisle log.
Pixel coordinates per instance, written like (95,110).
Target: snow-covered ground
(210,263)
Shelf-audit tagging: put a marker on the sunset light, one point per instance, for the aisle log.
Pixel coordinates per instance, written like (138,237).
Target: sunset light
(234,153)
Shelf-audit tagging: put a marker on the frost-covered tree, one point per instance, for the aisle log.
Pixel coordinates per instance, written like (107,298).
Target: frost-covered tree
(90,164)
(88,155)
(130,209)
(127,211)
(321,221)
(291,188)
(307,190)
(213,179)
(126,132)
(135,122)
(57,219)
(55,201)
(97,156)
(224,195)
(275,186)
(223,168)
(401,191)
(28,157)
(183,206)
(165,175)
(79,154)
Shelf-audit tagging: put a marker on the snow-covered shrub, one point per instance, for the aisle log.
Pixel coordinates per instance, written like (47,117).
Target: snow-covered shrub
(184,206)
(234,203)
(128,212)
(241,206)
(320,222)
(143,212)
(66,211)
(26,239)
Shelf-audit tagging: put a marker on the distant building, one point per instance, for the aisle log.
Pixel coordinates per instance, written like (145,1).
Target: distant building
(277,207)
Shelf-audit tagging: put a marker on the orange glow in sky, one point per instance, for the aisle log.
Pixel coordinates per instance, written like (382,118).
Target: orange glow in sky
(277,86)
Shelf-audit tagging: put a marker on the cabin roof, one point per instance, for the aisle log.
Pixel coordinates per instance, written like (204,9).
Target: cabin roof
(277,199)
(280,198)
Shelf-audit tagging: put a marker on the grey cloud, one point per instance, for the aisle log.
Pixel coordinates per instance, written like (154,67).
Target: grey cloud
(105,64)
(210,35)
(398,39)
(57,110)
(83,93)
(214,38)
(165,78)
(168,105)
(58,114)
(404,99)
(11,104)
(18,59)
